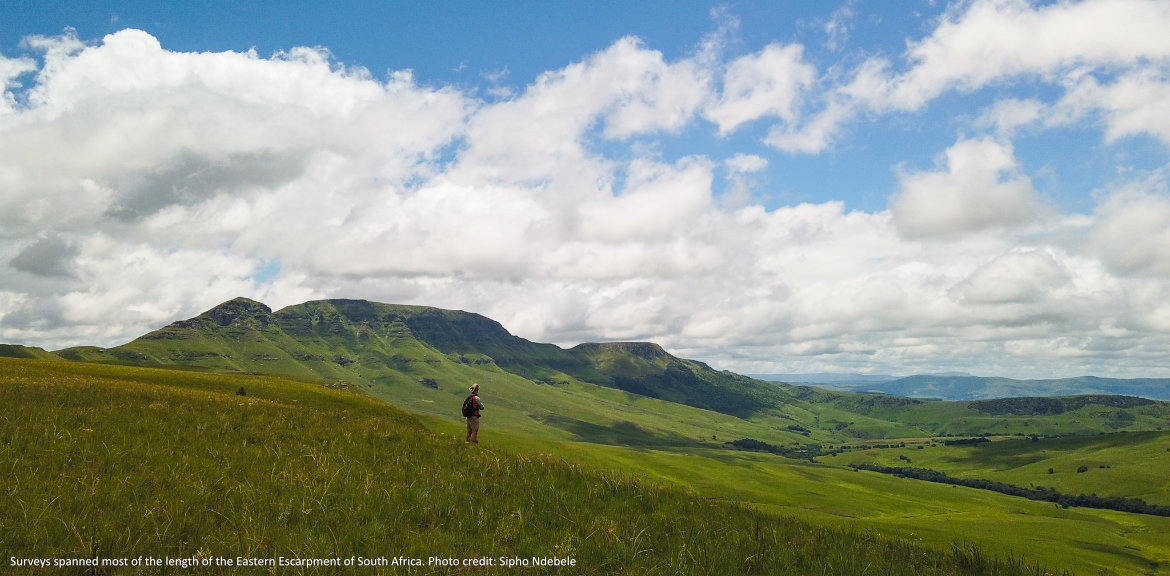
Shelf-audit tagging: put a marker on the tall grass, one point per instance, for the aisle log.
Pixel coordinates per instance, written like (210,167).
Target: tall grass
(123,462)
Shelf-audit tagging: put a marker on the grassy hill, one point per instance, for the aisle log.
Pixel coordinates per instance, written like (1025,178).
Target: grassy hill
(1132,465)
(120,463)
(632,410)
(423,358)
(373,343)
(964,387)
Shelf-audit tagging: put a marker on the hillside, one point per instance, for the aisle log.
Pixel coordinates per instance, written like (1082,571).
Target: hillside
(628,393)
(263,469)
(385,344)
(965,387)
(635,409)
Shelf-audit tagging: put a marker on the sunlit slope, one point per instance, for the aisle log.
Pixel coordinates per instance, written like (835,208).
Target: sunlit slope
(424,358)
(120,462)
(977,387)
(1060,416)
(1132,465)
(385,343)
(1083,540)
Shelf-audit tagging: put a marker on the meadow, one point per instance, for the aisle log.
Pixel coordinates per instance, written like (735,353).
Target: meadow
(1131,464)
(119,464)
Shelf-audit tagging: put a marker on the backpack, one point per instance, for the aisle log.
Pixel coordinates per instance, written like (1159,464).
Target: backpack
(469,406)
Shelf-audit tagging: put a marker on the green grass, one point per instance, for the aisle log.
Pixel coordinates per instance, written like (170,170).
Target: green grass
(1132,464)
(120,462)
(935,418)
(937,516)
(422,359)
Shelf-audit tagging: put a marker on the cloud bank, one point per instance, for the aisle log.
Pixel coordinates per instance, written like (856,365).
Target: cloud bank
(140,185)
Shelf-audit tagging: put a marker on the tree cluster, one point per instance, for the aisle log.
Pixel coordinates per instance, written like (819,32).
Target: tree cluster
(806,452)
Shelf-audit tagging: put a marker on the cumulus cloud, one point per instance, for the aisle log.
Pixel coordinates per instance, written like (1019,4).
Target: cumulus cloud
(746,163)
(140,185)
(10,69)
(1078,46)
(765,84)
(1131,234)
(979,188)
(1137,103)
(1017,277)
(47,256)
(986,41)
(1010,114)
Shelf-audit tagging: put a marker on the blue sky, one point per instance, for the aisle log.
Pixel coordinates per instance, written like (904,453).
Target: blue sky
(479,45)
(476,46)
(768,186)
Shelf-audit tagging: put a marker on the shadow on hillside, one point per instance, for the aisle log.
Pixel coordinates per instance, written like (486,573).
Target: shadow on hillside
(622,433)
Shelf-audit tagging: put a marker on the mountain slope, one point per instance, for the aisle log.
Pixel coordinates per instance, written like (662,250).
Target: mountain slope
(630,393)
(948,387)
(647,369)
(18,351)
(387,344)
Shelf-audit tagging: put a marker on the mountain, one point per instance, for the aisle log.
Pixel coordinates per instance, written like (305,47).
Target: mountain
(422,359)
(964,387)
(827,378)
(387,344)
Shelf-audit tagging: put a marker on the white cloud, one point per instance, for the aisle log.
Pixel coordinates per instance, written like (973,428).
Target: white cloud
(1136,103)
(746,163)
(979,188)
(140,185)
(839,25)
(10,69)
(1017,277)
(1009,114)
(815,135)
(766,84)
(1131,234)
(989,40)
(982,44)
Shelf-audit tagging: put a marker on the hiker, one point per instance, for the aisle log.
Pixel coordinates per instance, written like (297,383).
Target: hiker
(473,417)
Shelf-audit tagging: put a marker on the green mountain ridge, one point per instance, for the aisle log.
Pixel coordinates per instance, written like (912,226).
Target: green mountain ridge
(635,408)
(953,387)
(633,393)
(373,343)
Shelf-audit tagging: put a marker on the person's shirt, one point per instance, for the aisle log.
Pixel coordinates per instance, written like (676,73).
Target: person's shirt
(478,405)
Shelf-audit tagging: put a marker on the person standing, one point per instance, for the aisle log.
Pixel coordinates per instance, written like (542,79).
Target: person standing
(473,418)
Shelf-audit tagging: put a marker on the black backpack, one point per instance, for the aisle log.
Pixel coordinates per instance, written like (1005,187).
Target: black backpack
(469,406)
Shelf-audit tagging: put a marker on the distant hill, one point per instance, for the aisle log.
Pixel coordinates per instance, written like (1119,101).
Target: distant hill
(821,378)
(18,351)
(362,341)
(952,387)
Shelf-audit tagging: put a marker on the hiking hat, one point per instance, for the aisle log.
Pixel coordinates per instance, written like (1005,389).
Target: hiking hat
(474,388)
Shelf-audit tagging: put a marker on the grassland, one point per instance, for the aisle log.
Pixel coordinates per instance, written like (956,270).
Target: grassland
(830,494)
(118,462)
(1132,465)
(200,462)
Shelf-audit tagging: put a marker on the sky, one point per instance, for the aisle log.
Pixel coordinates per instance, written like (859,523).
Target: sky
(770,187)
